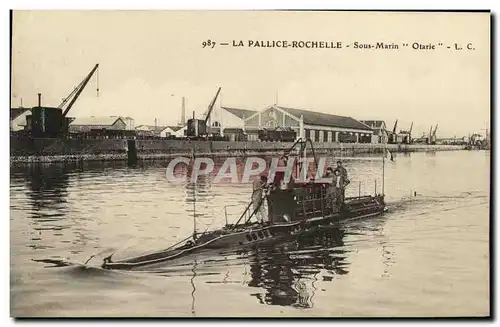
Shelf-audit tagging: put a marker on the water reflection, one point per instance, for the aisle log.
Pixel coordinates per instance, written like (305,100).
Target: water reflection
(47,185)
(374,228)
(291,273)
(193,312)
(198,197)
(288,273)
(388,258)
(51,219)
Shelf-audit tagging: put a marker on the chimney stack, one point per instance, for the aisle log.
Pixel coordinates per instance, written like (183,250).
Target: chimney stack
(183,112)
(39,99)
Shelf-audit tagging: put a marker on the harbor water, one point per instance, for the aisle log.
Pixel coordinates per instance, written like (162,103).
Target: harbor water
(427,256)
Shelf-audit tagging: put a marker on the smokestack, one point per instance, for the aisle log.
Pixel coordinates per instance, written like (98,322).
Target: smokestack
(193,114)
(39,99)
(183,111)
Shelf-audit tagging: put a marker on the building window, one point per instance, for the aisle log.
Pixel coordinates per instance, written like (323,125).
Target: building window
(329,137)
(307,133)
(320,136)
(313,135)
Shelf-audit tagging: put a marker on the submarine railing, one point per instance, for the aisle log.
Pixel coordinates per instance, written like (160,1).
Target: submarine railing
(244,213)
(231,214)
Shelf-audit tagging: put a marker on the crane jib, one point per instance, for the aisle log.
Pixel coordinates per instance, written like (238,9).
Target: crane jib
(79,89)
(211,106)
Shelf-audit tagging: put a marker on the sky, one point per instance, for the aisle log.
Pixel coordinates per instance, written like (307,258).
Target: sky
(149,60)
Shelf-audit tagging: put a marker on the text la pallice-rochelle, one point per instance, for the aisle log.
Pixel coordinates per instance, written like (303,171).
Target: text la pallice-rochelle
(288,44)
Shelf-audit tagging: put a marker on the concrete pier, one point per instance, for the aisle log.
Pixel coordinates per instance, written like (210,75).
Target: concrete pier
(70,150)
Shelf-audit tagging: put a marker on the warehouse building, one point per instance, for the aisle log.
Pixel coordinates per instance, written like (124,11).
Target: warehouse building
(379,130)
(171,131)
(85,124)
(231,118)
(317,126)
(230,122)
(149,130)
(181,132)
(129,122)
(18,120)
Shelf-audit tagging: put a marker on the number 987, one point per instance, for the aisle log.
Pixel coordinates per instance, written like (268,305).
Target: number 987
(208,43)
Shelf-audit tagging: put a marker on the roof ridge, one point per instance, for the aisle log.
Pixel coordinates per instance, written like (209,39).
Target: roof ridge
(318,118)
(237,108)
(314,112)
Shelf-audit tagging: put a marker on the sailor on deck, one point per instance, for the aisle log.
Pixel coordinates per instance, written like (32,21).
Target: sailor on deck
(341,171)
(257,196)
(330,189)
(339,184)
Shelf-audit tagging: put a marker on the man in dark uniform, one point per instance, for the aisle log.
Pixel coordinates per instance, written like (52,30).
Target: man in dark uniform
(341,171)
(339,183)
(259,187)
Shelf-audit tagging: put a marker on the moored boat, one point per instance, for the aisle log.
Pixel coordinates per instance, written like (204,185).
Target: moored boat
(298,208)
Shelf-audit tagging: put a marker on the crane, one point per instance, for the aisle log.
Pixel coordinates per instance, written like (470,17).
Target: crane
(198,127)
(407,135)
(431,139)
(211,106)
(77,91)
(392,135)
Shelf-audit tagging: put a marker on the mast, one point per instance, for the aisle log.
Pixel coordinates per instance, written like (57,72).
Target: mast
(194,202)
(194,210)
(194,288)
(305,166)
(221,129)
(383,171)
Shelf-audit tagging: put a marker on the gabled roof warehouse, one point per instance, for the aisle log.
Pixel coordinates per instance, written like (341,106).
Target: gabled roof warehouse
(322,119)
(173,128)
(95,121)
(240,113)
(16,112)
(373,123)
